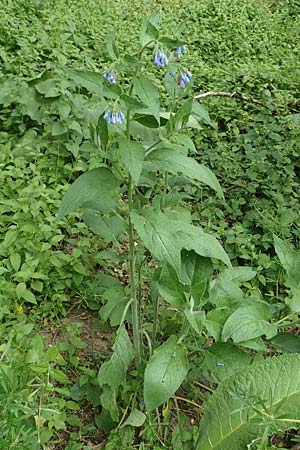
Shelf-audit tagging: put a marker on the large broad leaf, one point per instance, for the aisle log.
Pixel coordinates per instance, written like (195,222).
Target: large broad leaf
(108,227)
(132,155)
(170,288)
(224,360)
(92,81)
(97,189)
(197,271)
(204,244)
(150,28)
(287,342)
(113,372)
(234,415)
(159,236)
(248,322)
(148,93)
(290,260)
(166,159)
(165,236)
(164,373)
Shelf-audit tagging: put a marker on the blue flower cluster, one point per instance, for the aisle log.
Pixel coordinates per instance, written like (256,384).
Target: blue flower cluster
(160,59)
(177,52)
(110,77)
(114,118)
(184,78)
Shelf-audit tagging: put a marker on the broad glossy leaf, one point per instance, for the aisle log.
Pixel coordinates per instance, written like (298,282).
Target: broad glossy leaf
(113,372)
(248,322)
(166,159)
(97,189)
(132,155)
(231,423)
(164,373)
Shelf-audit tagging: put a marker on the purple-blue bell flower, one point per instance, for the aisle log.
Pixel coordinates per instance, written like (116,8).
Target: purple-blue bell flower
(110,77)
(184,79)
(177,52)
(160,59)
(114,118)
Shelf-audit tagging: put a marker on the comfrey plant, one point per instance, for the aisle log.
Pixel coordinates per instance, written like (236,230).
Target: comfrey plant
(136,197)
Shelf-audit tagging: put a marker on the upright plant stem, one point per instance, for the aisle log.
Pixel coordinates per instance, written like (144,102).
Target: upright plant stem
(132,271)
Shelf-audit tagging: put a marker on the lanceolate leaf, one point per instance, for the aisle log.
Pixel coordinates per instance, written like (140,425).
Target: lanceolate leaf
(164,373)
(113,372)
(166,159)
(234,415)
(97,189)
(132,155)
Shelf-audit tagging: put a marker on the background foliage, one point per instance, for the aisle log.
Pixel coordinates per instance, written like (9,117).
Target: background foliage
(47,266)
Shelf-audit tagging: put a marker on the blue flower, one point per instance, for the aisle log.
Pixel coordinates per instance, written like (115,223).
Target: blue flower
(114,118)
(177,52)
(110,77)
(160,59)
(184,78)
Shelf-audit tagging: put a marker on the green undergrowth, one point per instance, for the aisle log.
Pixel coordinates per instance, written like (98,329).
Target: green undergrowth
(48,137)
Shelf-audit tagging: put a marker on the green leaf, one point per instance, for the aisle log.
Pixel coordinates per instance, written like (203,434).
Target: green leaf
(132,155)
(135,419)
(148,93)
(164,373)
(200,112)
(196,271)
(234,416)
(287,342)
(113,372)
(108,227)
(180,119)
(150,28)
(97,189)
(290,260)
(165,236)
(111,47)
(225,360)
(195,318)
(166,159)
(116,299)
(170,288)
(248,322)
(15,260)
(48,88)
(159,236)
(92,81)
(23,293)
